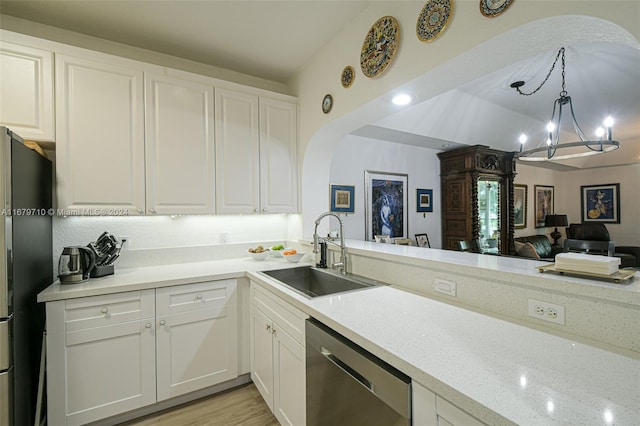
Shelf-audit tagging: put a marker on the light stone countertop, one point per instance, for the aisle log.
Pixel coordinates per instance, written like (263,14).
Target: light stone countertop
(500,372)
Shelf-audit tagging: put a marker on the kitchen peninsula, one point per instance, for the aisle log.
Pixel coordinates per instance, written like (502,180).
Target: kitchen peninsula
(499,371)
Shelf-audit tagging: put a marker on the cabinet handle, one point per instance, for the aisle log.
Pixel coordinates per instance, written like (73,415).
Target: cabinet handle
(148,325)
(162,322)
(104,310)
(268,327)
(264,210)
(273,331)
(199,297)
(255,210)
(152,210)
(140,211)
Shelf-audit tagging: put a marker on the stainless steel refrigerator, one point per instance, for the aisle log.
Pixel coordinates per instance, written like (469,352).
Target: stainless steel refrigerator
(25,270)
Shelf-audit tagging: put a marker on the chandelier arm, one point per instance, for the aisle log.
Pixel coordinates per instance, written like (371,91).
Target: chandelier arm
(576,126)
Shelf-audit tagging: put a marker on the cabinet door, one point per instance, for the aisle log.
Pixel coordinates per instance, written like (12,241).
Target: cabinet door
(179,146)
(450,415)
(26,91)
(106,371)
(237,152)
(196,350)
(262,355)
(278,158)
(423,405)
(99,137)
(289,396)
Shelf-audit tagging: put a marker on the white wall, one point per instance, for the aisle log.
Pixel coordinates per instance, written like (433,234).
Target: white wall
(154,240)
(567,197)
(356,154)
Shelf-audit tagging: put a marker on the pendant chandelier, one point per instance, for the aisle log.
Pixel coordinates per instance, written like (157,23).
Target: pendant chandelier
(547,148)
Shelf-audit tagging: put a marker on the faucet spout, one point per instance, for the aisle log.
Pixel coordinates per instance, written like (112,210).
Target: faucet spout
(343,249)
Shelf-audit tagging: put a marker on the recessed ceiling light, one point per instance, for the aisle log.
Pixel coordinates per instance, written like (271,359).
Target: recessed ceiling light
(402,99)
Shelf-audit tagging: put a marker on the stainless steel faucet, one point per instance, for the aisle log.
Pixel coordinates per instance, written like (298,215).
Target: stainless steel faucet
(342,265)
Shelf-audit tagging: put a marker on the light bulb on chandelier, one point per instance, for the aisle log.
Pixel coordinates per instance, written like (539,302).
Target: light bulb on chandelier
(552,142)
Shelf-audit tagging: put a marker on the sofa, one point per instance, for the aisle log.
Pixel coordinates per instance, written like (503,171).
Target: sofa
(596,231)
(536,247)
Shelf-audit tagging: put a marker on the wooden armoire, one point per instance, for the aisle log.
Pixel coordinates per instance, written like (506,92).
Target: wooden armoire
(477,198)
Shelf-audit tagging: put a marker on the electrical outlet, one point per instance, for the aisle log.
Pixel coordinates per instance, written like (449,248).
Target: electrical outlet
(546,311)
(446,287)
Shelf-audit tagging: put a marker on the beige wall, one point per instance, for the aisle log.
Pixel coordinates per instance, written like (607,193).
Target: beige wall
(368,99)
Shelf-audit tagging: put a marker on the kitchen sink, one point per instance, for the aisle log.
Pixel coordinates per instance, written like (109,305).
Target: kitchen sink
(313,282)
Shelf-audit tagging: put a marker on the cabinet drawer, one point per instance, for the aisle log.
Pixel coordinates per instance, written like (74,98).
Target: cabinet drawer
(99,311)
(193,297)
(286,316)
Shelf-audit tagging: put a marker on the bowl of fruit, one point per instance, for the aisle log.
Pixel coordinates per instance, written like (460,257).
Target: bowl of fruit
(259,253)
(292,255)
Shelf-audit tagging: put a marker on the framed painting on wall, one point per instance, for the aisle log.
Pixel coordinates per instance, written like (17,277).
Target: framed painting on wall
(519,206)
(386,204)
(543,203)
(424,200)
(342,198)
(600,203)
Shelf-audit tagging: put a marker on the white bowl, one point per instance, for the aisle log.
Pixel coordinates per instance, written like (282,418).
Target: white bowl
(259,256)
(278,253)
(293,258)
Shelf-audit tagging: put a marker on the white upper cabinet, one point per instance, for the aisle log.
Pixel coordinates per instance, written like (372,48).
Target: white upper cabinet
(278,156)
(100,136)
(26,91)
(237,152)
(256,162)
(179,146)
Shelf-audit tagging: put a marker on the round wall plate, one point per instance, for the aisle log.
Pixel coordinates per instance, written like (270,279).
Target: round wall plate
(379,46)
(433,19)
(493,8)
(347,77)
(327,103)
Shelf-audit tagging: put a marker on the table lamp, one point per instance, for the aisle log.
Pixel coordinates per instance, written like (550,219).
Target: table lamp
(555,220)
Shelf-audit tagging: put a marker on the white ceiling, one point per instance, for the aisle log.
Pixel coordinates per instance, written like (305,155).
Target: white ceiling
(273,39)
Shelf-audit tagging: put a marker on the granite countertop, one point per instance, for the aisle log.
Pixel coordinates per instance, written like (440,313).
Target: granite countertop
(498,371)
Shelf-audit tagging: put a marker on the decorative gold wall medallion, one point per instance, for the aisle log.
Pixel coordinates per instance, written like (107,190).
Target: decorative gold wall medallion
(379,46)
(433,19)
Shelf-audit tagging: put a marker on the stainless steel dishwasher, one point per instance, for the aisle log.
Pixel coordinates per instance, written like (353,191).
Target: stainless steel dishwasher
(349,386)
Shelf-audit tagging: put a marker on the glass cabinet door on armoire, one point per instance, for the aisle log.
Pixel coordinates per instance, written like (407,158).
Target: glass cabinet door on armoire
(477,198)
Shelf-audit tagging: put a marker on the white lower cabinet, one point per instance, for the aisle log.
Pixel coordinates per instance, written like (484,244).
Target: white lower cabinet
(110,354)
(278,355)
(430,409)
(196,339)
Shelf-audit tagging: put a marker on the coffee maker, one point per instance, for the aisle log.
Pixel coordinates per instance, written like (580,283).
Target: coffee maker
(75,264)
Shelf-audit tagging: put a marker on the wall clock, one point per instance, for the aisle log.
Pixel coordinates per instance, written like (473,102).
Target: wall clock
(379,46)
(327,103)
(347,77)
(493,8)
(433,19)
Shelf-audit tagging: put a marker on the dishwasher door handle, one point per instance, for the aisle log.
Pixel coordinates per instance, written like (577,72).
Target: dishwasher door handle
(347,369)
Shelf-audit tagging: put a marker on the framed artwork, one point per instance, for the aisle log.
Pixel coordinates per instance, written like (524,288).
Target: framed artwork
(386,205)
(385,239)
(424,200)
(342,198)
(601,203)
(519,206)
(423,240)
(543,203)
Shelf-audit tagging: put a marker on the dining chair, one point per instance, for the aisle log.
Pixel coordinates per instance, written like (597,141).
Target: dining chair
(604,248)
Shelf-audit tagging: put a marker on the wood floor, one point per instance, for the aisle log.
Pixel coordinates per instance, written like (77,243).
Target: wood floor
(239,406)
